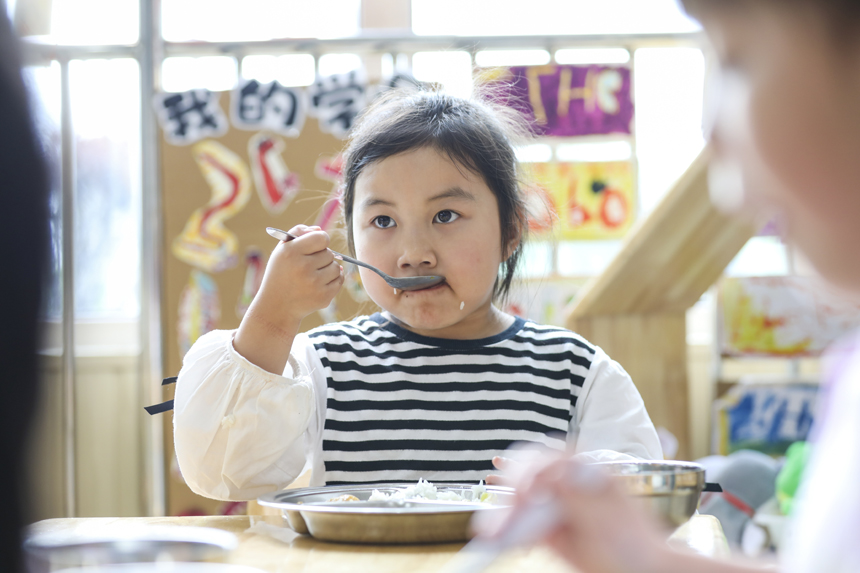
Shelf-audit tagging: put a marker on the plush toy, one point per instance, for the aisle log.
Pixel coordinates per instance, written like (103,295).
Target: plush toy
(748,480)
(790,475)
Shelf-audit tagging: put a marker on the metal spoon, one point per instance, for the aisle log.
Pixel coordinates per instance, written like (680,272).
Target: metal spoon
(402,283)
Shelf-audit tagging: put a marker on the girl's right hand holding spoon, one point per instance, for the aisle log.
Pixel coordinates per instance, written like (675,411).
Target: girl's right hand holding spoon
(302,277)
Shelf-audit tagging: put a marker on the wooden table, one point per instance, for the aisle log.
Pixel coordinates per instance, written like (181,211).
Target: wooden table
(265,542)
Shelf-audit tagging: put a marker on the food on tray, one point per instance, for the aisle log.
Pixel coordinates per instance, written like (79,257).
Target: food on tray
(345,497)
(424,490)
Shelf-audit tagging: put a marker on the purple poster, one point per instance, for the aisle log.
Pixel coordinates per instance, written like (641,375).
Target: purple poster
(569,100)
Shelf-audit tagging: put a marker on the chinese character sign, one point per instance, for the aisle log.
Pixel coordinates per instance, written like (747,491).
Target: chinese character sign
(255,106)
(582,200)
(336,101)
(567,101)
(190,116)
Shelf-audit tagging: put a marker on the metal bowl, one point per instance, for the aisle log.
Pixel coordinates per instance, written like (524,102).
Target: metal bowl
(51,551)
(670,488)
(310,511)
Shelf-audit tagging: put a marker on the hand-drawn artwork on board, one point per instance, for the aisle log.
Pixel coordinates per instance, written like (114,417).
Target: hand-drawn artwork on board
(399,80)
(764,417)
(781,316)
(254,269)
(589,200)
(353,285)
(276,184)
(190,116)
(541,210)
(336,100)
(543,301)
(563,100)
(330,169)
(255,106)
(199,309)
(204,242)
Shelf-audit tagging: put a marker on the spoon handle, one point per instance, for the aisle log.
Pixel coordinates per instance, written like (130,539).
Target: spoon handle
(286,237)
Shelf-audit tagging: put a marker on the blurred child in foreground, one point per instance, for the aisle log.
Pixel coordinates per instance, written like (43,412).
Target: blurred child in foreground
(786,121)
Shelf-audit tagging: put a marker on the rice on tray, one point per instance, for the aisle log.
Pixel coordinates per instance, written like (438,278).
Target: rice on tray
(426,490)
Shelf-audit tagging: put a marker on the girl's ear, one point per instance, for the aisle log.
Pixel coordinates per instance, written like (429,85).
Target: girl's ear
(515,240)
(521,222)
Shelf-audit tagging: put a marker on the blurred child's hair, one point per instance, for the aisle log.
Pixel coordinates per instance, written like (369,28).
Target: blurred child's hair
(473,133)
(843,16)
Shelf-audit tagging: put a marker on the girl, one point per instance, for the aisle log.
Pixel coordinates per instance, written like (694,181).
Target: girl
(788,121)
(437,384)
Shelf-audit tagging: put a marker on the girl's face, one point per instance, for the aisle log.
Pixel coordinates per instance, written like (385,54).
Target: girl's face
(418,213)
(786,113)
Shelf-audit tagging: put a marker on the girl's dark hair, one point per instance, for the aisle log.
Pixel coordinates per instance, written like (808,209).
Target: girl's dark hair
(473,133)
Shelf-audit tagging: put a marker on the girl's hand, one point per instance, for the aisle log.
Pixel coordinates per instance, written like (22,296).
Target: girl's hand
(506,466)
(301,277)
(599,530)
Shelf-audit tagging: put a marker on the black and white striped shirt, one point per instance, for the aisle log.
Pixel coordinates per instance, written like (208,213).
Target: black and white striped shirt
(367,401)
(401,406)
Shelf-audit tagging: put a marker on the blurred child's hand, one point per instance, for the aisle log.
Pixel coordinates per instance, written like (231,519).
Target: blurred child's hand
(600,529)
(301,277)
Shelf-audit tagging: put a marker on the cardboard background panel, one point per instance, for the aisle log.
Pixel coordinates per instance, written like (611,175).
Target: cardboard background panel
(184,189)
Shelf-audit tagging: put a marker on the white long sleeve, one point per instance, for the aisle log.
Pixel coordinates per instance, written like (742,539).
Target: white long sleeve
(239,431)
(611,423)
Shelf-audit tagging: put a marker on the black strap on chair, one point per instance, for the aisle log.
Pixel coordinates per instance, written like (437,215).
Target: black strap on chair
(164,406)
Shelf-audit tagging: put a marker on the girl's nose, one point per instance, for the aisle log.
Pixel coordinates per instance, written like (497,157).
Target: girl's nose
(416,251)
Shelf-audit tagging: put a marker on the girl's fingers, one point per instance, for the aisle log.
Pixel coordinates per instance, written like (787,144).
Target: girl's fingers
(501,463)
(338,276)
(309,240)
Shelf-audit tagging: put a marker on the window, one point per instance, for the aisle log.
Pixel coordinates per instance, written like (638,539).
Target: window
(548,17)
(230,21)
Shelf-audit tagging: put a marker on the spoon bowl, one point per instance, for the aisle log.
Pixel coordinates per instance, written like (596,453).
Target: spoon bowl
(402,283)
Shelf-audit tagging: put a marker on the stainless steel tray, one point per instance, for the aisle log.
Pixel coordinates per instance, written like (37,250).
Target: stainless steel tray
(309,510)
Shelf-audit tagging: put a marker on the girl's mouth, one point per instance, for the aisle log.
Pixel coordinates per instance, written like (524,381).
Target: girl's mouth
(428,289)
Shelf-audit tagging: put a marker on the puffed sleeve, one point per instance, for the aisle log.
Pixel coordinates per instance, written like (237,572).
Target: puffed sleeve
(239,431)
(611,422)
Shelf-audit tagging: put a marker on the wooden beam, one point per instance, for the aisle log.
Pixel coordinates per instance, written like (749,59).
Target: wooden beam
(636,309)
(652,348)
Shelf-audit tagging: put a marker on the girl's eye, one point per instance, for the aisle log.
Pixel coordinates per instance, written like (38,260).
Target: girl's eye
(445,216)
(383,222)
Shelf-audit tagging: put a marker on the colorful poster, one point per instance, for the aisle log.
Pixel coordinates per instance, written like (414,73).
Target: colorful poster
(764,417)
(255,106)
(190,116)
(563,101)
(353,285)
(204,242)
(199,309)
(330,169)
(582,200)
(788,316)
(543,300)
(254,270)
(276,184)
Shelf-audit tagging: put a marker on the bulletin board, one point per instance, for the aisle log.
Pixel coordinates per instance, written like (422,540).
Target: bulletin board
(221,188)
(781,316)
